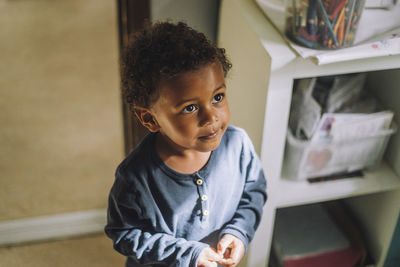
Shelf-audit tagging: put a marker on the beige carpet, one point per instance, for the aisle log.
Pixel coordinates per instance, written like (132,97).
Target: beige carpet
(95,250)
(61,125)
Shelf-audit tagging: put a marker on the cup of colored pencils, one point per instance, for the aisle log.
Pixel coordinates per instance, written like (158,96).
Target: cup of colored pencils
(323,24)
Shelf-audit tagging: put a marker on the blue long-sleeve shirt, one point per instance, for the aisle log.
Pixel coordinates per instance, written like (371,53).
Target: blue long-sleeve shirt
(159,217)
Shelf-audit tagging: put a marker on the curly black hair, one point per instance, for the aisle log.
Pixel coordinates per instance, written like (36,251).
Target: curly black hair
(162,51)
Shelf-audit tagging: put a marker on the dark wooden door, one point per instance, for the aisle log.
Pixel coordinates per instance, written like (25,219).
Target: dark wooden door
(132,14)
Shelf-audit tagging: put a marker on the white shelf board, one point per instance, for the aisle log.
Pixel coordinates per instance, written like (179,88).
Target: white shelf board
(304,68)
(293,193)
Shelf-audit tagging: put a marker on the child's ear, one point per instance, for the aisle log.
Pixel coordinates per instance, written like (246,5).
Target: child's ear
(146,117)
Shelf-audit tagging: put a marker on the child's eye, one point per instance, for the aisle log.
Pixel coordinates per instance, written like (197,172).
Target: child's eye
(218,98)
(189,109)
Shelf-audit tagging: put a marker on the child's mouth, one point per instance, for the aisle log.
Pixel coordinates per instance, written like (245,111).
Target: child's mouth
(210,136)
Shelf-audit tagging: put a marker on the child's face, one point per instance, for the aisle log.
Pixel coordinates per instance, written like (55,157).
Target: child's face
(192,110)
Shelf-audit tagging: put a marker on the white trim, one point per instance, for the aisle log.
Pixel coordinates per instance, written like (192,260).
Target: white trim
(52,227)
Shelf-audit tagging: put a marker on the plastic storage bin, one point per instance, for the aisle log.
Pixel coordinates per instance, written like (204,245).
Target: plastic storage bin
(304,159)
(322,24)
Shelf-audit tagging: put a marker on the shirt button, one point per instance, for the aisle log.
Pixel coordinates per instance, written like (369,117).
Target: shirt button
(204,197)
(205,212)
(199,182)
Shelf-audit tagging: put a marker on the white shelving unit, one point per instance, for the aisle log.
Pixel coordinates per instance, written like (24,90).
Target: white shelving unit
(260,89)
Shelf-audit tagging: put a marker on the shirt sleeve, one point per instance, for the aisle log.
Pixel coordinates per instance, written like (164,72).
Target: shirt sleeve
(249,211)
(132,236)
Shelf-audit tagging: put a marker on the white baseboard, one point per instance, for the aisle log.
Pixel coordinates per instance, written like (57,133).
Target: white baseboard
(52,227)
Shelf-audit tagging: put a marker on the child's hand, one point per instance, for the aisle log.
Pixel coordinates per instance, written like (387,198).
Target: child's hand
(231,249)
(208,258)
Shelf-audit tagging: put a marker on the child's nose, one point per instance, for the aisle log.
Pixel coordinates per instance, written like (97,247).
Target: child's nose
(208,116)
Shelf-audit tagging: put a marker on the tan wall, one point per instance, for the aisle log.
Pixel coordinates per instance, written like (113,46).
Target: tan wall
(248,79)
(60,120)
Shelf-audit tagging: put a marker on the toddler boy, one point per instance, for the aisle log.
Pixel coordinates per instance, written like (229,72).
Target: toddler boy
(192,192)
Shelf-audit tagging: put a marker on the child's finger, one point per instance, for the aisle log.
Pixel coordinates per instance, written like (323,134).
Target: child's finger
(208,258)
(236,254)
(211,264)
(223,244)
(214,256)
(227,262)
(208,264)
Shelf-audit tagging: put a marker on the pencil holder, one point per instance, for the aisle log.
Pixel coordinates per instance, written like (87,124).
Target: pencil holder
(323,24)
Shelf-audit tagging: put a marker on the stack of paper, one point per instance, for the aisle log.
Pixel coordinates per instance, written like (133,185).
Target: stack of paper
(335,127)
(307,236)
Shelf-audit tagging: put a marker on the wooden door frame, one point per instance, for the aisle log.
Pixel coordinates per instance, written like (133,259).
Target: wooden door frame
(132,15)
